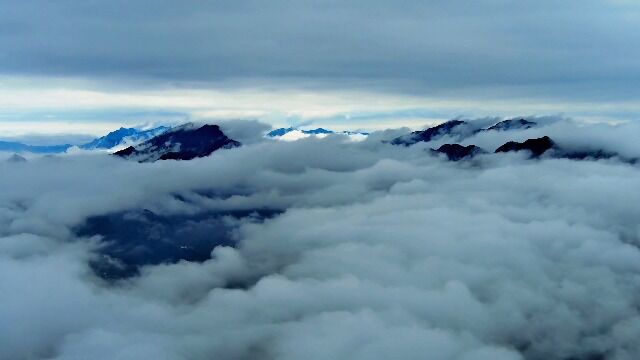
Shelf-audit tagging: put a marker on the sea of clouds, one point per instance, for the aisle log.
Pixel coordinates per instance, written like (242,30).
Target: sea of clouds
(378,252)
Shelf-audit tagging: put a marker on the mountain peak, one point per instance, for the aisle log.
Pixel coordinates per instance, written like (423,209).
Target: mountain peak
(456,152)
(292,133)
(182,143)
(513,124)
(279,132)
(16,158)
(429,134)
(537,147)
(123,136)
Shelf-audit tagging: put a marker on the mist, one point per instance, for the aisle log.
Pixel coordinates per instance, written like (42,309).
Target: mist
(368,251)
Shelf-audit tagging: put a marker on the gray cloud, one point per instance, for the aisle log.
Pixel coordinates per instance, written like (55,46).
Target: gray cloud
(576,50)
(381,252)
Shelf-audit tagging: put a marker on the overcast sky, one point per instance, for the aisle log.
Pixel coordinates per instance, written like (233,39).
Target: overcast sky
(70,66)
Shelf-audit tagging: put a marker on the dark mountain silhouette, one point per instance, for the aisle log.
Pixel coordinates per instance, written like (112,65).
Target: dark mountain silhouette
(537,147)
(183,143)
(456,152)
(540,146)
(512,124)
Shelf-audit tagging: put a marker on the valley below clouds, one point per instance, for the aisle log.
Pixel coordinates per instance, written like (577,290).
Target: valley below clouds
(326,248)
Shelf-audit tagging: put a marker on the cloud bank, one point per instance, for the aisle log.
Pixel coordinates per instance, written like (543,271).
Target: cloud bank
(377,251)
(574,49)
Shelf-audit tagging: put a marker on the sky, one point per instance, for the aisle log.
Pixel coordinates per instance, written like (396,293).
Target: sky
(69,67)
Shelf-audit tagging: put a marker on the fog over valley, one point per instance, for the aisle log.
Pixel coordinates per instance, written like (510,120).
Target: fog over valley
(327,248)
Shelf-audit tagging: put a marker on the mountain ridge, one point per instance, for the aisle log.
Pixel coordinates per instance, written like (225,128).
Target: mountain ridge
(121,136)
(181,143)
(317,131)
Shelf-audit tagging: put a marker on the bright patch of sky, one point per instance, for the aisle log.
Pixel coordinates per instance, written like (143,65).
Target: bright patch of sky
(87,67)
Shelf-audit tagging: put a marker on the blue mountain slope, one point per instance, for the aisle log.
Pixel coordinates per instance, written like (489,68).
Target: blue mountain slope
(280,132)
(123,136)
(18,147)
(432,133)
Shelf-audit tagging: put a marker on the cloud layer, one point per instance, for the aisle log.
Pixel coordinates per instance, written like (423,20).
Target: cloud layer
(576,49)
(381,251)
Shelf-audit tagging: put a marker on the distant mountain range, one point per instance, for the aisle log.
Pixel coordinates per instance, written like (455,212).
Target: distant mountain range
(512,124)
(117,138)
(130,137)
(459,130)
(292,133)
(535,147)
(185,142)
(18,147)
(191,141)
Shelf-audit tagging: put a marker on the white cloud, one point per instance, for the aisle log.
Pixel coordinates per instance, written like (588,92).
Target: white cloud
(381,252)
